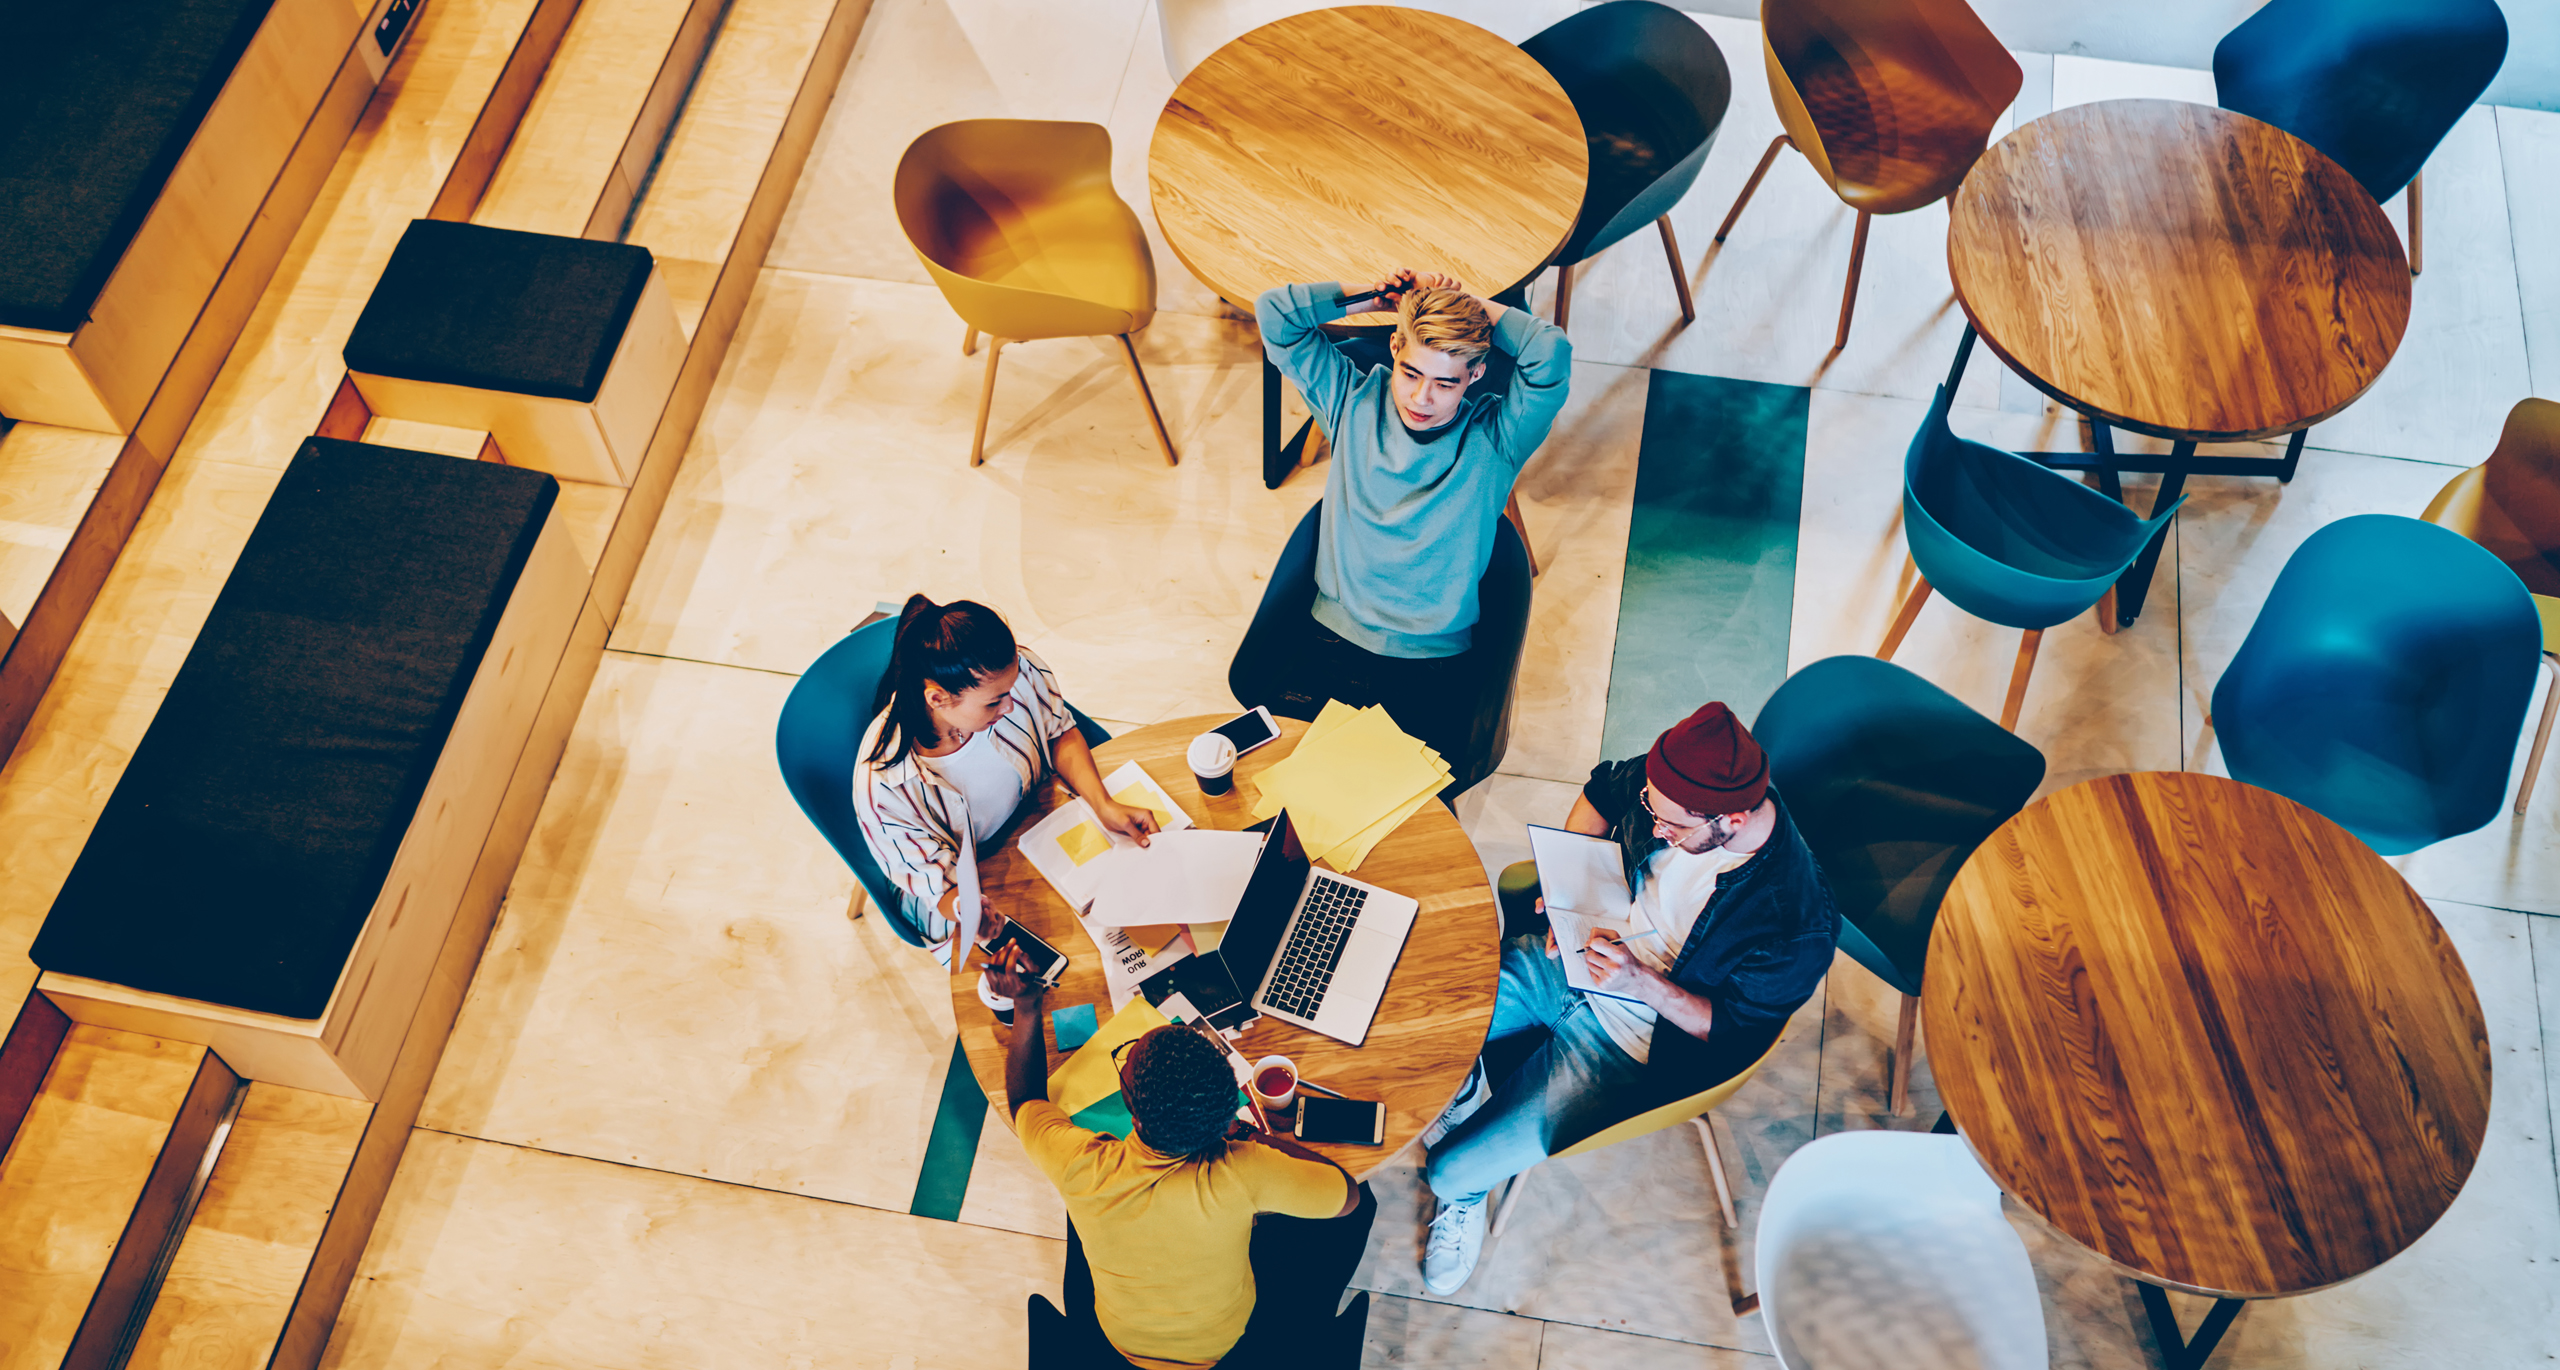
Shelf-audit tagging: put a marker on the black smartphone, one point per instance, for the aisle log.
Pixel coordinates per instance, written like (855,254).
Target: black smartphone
(1249,729)
(1047,962)
(1356,1121)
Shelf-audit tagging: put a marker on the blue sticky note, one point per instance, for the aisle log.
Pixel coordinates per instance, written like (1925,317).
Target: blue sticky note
(1073,1026)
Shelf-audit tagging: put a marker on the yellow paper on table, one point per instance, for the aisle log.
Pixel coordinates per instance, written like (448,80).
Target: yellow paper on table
(1347,857)
(1091,1077)
(1083,842)
(1154,937)
(1356,775)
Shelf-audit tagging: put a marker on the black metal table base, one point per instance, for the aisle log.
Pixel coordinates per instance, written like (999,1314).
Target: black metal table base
(2177,1350)
(2173,470)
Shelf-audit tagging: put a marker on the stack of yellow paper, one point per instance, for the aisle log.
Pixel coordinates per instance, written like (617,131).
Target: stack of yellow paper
(1354,778)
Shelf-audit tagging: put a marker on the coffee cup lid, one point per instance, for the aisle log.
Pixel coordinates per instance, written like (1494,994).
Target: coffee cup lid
(1212,752)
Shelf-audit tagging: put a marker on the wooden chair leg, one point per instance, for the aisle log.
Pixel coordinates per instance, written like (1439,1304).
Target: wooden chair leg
(1902,621)
(1679,273)
(986,398)
(1502,1215)
(1520,525)
(861,904)
(1849,294)
(969,344)
(2106,612)
(1715,1169)
(1898,1074)
(1564,292)
(1749,186)
(1164,440)
(2417,223)
(2541,735)
(2018,678)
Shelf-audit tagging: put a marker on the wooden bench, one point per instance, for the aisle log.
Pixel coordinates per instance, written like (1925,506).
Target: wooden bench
(276,872)
(150,137)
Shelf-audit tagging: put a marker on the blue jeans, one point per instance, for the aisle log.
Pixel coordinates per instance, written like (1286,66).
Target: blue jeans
(1569,1087)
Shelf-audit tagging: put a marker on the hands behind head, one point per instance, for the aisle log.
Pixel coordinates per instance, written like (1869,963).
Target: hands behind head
(1394,287)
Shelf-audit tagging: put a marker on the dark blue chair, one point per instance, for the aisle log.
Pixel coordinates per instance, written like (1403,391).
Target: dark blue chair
(1651,89)
(2008,540)
(1893,783)
(1267,667)
(2385,681)
(2374,84)
(819,739)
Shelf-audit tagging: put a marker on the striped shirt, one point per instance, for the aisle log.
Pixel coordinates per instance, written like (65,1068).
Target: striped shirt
(916,821)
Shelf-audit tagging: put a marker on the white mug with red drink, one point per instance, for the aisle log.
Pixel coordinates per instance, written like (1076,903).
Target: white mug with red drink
(1274,1082)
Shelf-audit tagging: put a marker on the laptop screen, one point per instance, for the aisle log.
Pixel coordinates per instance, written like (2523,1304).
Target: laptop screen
(1262,915)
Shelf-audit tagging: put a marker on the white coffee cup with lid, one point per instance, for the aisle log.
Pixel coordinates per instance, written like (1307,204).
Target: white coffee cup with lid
(1213,762)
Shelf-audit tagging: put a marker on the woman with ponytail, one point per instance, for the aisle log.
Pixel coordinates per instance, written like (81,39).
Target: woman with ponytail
(966,726)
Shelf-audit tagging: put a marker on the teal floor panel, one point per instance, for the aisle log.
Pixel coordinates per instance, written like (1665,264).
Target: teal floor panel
(1711,554)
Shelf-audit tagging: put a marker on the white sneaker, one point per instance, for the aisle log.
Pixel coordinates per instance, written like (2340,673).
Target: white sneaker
(1457,1237)
(1472,1095)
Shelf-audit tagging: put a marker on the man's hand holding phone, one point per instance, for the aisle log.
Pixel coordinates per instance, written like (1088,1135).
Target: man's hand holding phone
(1010,975)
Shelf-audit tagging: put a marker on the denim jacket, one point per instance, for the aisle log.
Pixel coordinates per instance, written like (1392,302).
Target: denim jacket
(1757,952)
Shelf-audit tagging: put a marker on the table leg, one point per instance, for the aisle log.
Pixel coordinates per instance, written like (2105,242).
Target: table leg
(2136,584)
(2102,447)
(1275,464)
(1964,353)
(2177,1351)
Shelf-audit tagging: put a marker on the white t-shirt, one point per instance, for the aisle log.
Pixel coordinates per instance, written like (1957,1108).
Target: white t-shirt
(1676,888)
(986,779)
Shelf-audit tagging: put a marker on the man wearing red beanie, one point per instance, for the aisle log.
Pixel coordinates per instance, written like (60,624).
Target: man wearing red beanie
(1733,930)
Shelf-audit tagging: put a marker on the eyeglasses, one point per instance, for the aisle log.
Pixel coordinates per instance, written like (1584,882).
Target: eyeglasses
(1121,1050)
(1685,822)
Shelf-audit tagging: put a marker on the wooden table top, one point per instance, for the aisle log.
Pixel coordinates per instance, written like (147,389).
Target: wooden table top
(1439,1001)
(1344,143)
(2207,1033)
(2178,269)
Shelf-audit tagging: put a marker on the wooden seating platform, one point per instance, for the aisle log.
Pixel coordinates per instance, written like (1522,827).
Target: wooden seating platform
(258,1275)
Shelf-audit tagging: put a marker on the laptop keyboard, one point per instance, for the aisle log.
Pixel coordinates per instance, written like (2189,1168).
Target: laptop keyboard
(1305,968)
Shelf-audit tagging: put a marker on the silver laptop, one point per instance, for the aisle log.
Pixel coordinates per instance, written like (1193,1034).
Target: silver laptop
(1316,948)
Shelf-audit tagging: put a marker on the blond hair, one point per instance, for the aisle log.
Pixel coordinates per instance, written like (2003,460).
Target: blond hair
(1450,321)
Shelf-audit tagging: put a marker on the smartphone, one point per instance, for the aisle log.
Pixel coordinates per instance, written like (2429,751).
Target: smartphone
(1249,729)
(1049,963)
(1341,1120)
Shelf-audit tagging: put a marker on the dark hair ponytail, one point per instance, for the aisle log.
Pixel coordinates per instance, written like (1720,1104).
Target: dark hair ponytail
(955,646)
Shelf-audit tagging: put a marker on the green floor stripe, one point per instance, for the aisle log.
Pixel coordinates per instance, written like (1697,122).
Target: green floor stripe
(943,1182)
(1711,554)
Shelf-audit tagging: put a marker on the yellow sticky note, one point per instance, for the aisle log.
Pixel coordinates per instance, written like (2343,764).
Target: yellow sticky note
(1139,797)
(1083,842)
(1154,937)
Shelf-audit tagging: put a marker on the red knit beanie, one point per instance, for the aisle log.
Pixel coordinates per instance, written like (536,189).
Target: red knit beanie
(1707,763)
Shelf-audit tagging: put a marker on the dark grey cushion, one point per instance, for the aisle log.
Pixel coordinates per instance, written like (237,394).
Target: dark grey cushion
(99,101)
(495,309)
(243,850)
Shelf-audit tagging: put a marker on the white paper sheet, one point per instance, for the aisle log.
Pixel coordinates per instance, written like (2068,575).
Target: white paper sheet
(1180,877)
(1584,881)
(1076,880)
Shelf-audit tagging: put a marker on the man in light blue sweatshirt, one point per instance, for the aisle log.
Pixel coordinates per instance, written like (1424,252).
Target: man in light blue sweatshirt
(1420,473)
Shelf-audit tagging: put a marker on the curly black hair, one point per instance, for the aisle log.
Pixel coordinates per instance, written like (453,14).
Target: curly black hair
(1182,1093)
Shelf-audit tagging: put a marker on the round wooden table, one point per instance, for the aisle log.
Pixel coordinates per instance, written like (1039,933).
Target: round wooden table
(2181,271)
(1438,1004)
(1342,144)
(2206,1033)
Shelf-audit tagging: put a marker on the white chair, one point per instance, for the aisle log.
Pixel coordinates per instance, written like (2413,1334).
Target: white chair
(1888,1248)
(1192,29)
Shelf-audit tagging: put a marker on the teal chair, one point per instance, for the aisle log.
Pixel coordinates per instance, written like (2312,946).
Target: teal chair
(2375,84)
(2009,541)
(819,739)
(1893,783)
(1651,89)
(2385,681)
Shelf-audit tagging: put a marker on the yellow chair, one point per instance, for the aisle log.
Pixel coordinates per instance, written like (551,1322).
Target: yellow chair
(2510,504)
(1891,100)
(1018,223)
(1692,1110)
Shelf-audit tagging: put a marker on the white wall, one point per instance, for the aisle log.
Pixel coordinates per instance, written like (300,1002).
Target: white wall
(2181,33)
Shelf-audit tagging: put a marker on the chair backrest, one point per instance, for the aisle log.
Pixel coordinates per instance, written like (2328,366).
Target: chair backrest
(1891,100)
(2006,539)
(1889,1248)
(968,196)
(1652,89)
(2384,682)
(2520,496)
(1893,783)
(1676,1112)
(2375,84)
(818,741)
